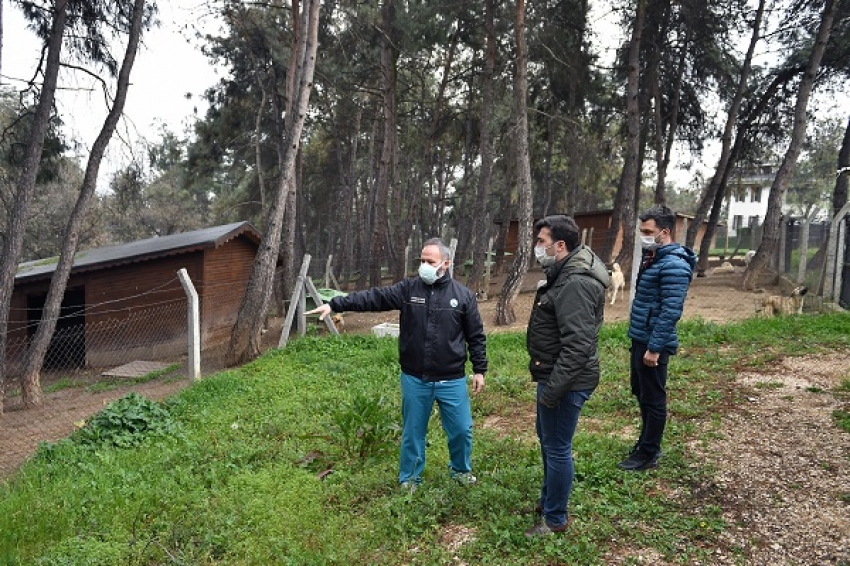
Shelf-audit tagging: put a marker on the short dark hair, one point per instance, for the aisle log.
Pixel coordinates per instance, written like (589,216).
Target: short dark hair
(445,251)
(664,217)
(561,227)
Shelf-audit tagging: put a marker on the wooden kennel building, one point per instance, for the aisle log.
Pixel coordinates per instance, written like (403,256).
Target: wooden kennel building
(109,311)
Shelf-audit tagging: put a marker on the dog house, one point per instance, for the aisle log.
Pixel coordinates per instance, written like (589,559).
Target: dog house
(125,302)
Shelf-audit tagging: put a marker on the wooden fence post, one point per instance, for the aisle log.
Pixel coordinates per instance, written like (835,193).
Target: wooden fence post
(831,284)
(194,324)
(804,246)
(637,256)
(779,259)
(327,280)
(294,301)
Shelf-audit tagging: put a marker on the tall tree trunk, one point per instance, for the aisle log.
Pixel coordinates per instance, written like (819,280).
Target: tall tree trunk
(483,223)
(258,148)
(726,141)
(464,210)
(623,215)
(245,340)
(654,80)
(30,380)
(369,199)
(672,123)
(18,215)
(773,218)
(380,233)
(1,56)
(839,194)
(505,313)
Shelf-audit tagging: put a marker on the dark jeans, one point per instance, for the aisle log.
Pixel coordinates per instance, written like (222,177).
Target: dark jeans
(649,385)
(555,428)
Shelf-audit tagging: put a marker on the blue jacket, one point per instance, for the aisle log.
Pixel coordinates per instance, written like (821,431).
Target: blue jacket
(662,286)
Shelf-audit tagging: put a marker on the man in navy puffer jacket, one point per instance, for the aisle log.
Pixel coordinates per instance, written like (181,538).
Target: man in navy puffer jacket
(662,284)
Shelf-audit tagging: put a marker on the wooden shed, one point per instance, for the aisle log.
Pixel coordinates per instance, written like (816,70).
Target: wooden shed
(597,223)
(125,302)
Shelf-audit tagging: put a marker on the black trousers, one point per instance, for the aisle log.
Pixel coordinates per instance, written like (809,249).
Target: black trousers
(649,385)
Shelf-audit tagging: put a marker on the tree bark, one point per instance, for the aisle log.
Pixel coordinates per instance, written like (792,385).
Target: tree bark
(245,340)
(482,223)
(623,214)
(673,123)
(726,146)
(773,218)
(17,220)
(30,380)
(380,228)
(505,313)
(839,194)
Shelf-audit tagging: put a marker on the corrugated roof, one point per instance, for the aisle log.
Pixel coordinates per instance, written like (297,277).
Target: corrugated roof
(107,256)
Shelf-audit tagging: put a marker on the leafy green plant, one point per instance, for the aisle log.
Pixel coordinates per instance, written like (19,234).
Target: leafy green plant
(365,426)
(842,419)
(125,422)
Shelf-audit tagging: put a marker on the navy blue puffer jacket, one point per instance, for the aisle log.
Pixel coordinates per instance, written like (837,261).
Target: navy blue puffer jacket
(660,293)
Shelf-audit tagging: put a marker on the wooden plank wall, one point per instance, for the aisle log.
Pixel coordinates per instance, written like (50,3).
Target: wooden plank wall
(226,273)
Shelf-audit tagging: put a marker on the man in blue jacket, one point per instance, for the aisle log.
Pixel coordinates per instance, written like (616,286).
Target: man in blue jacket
(439,328)
(665,274)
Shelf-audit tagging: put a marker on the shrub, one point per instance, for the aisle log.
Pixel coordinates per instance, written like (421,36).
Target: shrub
(125,423)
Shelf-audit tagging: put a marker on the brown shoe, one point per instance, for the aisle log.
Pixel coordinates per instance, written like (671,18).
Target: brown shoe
(543,529)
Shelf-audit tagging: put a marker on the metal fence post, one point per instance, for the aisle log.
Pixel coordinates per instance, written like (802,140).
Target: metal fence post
(194,323)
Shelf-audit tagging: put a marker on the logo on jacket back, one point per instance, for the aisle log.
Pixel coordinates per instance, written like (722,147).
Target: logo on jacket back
(419,300)
(453,303)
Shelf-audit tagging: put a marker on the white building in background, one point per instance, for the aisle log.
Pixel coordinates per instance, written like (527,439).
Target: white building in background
(749,192)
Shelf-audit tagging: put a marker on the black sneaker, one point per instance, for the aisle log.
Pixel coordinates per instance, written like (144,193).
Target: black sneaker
(639,460)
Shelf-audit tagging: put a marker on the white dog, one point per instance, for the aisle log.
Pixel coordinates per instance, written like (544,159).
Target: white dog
(725,267)
(748,257)
(618,281)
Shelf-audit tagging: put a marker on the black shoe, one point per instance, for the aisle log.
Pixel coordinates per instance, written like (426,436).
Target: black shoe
(639,460)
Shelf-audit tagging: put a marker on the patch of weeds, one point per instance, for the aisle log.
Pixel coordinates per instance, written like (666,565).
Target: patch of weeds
(844,497)
(63,383)
(842,419)
(125,423)
(364,426)
(844,387)
(769,385)
(814,389)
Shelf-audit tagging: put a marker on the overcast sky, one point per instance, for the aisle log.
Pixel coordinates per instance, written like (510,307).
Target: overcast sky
(170,75)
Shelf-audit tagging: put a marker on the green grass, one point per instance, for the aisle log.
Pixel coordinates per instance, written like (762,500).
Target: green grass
(238,478)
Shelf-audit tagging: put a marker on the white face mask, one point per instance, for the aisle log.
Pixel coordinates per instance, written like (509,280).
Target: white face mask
(543,258)
(429,273)
(648,243)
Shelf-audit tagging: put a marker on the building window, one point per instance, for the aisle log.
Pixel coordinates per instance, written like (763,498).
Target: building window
(756,194)
(737,222)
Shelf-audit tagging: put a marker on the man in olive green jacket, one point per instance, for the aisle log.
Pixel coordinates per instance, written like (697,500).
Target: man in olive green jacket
(562,342)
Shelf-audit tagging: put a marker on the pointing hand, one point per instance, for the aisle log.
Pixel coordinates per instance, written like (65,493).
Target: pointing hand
(322,311)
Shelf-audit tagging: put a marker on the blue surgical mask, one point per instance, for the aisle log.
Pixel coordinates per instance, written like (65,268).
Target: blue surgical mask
(429,273)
